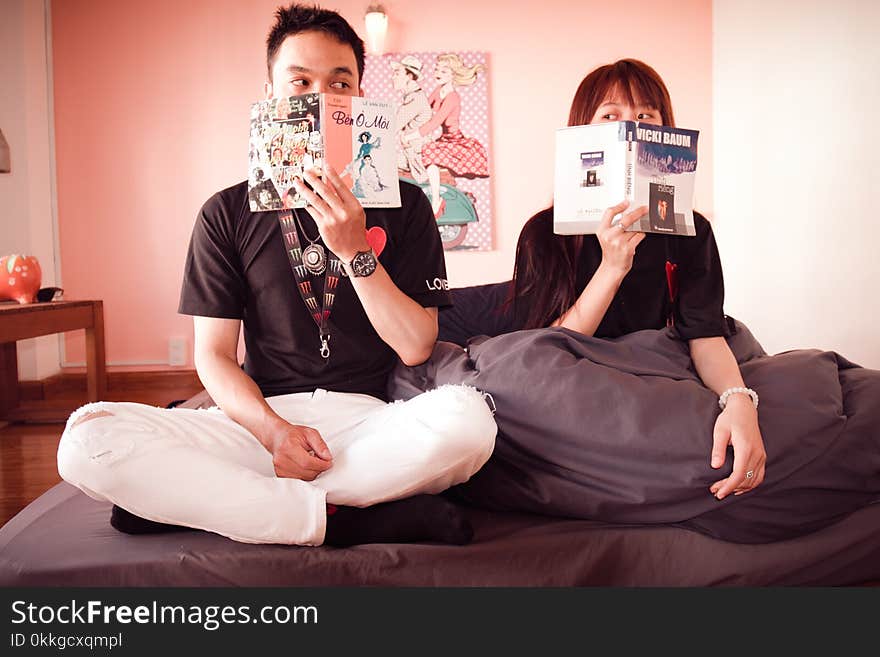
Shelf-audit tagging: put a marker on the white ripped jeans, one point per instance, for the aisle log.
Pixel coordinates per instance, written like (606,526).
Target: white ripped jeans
(198,468)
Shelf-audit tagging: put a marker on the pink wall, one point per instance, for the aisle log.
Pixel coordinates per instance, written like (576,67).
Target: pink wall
(151,103)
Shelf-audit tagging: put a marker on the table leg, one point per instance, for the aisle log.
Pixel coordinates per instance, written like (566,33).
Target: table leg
(96,363)
(8,378)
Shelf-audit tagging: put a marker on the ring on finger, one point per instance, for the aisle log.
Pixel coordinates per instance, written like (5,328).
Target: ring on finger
(750,474)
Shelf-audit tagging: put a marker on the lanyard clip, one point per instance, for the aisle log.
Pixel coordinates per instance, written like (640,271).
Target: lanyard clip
(325,346)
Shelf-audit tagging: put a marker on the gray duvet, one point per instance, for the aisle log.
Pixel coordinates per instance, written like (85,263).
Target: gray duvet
(620,431)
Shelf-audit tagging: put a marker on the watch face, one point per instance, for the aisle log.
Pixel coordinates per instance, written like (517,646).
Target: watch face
(364,263)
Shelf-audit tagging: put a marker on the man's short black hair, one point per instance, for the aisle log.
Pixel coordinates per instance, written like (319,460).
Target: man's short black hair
(297,18)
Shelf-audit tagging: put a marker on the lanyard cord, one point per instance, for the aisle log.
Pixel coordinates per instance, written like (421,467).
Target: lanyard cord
(304,283)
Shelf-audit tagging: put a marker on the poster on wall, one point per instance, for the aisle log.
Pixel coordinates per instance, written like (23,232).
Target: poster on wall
(442,108)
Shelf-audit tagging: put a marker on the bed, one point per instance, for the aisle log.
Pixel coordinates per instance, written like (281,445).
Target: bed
(64,539)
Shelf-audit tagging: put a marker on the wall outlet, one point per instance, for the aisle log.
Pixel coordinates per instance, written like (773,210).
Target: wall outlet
(177,351)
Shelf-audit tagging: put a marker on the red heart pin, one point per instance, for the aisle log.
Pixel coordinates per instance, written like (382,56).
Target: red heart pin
(377,239)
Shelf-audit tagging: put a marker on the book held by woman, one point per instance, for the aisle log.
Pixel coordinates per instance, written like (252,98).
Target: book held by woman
(600,165)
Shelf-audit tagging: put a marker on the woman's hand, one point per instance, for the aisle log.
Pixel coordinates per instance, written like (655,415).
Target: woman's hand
(619,244)
(618,249)
(738,426)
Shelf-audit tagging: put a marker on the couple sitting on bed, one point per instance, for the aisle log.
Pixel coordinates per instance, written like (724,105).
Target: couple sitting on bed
(306,450)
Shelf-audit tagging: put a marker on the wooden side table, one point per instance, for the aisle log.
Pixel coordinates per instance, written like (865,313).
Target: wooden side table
(31,320)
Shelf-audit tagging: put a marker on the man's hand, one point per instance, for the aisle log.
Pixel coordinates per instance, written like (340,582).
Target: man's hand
(337,213)
(299,452)
(738,426)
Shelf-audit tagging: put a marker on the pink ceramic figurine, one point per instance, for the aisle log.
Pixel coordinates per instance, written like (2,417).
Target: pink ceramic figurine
(20,278)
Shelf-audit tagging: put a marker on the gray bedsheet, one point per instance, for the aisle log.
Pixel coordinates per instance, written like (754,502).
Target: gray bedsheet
(621,431)
(64,539)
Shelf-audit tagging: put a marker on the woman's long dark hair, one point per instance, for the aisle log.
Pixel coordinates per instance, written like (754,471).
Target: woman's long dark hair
(546,263)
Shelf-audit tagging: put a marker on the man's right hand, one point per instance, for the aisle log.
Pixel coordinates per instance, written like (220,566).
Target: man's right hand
(299,452)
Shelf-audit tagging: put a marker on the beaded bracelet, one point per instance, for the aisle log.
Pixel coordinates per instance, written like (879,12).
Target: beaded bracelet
(722,400)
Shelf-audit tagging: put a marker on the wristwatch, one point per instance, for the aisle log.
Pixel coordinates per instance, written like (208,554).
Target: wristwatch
(363,264)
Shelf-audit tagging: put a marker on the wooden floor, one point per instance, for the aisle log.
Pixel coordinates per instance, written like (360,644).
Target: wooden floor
(27,451)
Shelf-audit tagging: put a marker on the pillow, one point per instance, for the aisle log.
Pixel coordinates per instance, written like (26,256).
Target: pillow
(476,310)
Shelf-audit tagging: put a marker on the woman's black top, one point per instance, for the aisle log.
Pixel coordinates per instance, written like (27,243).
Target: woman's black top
(642,302)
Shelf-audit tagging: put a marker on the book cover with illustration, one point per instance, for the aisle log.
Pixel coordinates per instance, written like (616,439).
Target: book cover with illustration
(600,165)
(354,135)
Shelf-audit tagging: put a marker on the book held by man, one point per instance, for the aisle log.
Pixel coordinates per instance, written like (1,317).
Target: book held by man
(602,164)
(354,135)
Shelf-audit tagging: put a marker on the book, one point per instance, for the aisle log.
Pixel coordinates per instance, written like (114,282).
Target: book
(355,135)
(602,164)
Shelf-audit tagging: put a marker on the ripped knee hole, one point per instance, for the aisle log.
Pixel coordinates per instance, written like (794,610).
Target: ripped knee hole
(91,415)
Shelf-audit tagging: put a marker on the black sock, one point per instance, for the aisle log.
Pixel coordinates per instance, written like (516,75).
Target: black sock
(411,520)
(129,523)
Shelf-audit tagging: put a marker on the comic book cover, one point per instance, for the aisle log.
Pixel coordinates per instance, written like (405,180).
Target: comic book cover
(600,165)
(354,135)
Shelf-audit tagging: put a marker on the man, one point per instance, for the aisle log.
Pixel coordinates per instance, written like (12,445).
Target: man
(413,112)
(304,441)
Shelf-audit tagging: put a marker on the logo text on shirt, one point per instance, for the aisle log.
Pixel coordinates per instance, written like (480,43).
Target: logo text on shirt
(437,284)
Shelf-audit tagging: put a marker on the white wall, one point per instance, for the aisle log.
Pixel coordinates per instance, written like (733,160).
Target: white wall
(27,225)
(796,121)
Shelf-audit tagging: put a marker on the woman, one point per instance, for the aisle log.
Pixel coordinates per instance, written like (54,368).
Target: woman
(617,282)
(601,420)
(368,183)
(462,156)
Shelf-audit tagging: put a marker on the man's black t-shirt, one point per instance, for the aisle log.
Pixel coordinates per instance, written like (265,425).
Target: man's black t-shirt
(642,302)
(237,268)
